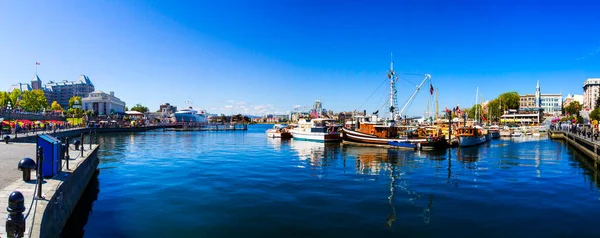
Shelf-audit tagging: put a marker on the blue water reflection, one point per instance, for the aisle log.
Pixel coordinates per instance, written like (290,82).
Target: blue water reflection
(242,184)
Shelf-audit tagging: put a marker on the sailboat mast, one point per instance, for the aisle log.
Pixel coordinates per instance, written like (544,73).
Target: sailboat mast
(436,104)
(476,108)
(391,76)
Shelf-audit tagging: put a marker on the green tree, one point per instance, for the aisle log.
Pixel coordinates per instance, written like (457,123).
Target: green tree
(237,118)
(573,108)
(246,119)
(15,96)
(56,107)
(33,101)
(494,110)
(140,108)
(4,99)
(595,114)
(509,100)
(73,99)
(475,108)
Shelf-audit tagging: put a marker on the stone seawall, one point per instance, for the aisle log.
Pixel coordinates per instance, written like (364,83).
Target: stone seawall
(586,145)
(62,194)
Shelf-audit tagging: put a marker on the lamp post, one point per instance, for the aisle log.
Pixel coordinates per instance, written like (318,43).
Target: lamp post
(9,108)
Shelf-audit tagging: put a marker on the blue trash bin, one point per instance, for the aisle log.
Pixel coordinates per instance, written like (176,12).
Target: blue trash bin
(52,163)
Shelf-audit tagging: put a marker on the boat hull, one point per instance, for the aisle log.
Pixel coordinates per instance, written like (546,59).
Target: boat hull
(282,135)
(494,134)
(189,118)
(466,141)
(409,143)
(315,136)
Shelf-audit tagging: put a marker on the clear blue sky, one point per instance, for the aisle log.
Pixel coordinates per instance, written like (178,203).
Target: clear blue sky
(269,56)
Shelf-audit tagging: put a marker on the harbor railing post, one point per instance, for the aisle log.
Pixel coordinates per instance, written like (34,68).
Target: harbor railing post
(40,179)
(67,158)
(82,144)
(90,137)
(15,223)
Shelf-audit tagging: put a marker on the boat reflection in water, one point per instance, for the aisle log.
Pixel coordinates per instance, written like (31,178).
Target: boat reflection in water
(394,164)
(278,144)
(316,153)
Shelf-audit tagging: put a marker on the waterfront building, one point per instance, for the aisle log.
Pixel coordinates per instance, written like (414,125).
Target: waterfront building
(590,93)
(167,109)
(58,91)
(21,86)
(551,104)
(64,90)
(103,104)
(275,118)
(572,98)
(535,116)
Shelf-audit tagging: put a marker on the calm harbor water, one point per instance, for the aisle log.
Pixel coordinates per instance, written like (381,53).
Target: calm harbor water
(241,184)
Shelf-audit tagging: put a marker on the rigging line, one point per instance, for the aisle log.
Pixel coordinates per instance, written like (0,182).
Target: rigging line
(385,103)
(408,81)
(385,80)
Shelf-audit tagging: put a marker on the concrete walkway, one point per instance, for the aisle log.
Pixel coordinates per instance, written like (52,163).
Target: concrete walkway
(11,180)
(10,155)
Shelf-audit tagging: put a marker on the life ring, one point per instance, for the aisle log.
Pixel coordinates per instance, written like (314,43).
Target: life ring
(372,131)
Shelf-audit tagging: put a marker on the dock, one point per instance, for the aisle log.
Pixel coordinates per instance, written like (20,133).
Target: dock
(46,216)
(208,127)
(588,144)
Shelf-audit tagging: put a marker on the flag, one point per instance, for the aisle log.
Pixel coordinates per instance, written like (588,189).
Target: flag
(431,89)
(37,63)
(447,111)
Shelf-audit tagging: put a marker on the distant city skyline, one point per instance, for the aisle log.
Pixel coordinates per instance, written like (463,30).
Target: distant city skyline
(264,57)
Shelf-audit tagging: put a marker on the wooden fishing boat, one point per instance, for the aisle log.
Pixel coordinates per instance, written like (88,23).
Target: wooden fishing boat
(471,136)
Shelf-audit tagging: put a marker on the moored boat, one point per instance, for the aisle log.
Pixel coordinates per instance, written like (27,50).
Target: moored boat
(318,129)
(189,115)
(279,131)
(471,136)
(494,131)
(375,131)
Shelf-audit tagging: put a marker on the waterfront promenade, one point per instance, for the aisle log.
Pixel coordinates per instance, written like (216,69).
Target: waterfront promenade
(36,211)
(583,140)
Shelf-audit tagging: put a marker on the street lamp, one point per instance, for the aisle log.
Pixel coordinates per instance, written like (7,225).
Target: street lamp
(9,108)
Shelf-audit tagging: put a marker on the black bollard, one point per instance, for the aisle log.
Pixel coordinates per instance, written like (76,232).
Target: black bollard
(15,223)
(82,144)
(6,139)
(67,151)
(40,178)
(26,165)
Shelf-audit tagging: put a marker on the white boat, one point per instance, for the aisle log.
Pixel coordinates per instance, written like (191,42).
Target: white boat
(189,115)
(318,129)
(279,131)
(516,134)
(494,132)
